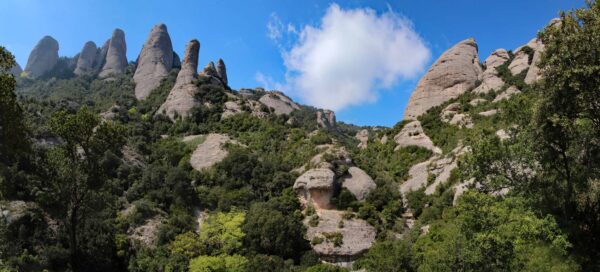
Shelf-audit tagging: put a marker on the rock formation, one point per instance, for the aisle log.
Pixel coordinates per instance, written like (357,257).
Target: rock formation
(176,61)
(490,79)
(512,90)
(521,60)
(181,98)
(210,152)
(326,119)
(413,134)
(155,61)
(358,182)
(87,59)
(455,71)
(222,71)
(43,57)
(116,59)
(16,70)
(315,187)
(210,70)
(279,102)
(363,137)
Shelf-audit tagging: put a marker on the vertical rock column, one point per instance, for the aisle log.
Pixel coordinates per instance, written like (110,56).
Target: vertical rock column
(155,61)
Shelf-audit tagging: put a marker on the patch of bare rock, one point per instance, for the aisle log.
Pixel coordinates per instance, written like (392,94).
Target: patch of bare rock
(512,90)
(211,151)
(154,63)
(363,137)
(42,58)
(491,80)
(279,102)
(412,134)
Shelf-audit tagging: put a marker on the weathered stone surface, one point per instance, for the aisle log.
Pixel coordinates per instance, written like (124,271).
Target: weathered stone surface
(210,70)
(279,102)
(490,79)
(502,134)
(363,137)
(181,98)
(222,71)
(535,73)
(154,63)
(489,113)
(413,134)
(16,70)
(521,60)
(441,169)
(455,71)
(358,182)
(326,119)
(449,111)
(147,233)
(42,58)
(116,55)
(357,236)
(231,108)
(418,175)
(512,90)
(87,58)
(316,187)
(101,56)
(477,101)
(176,61)
(210,152)
(460,189)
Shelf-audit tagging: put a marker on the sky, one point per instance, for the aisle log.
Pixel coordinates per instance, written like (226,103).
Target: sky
(360,58)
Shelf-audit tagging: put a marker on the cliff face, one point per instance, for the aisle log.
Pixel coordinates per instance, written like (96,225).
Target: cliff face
(155,61)
(116,55)
(43,57)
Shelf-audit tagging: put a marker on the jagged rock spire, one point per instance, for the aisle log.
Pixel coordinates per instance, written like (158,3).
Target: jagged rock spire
(116,55)
(87,59)
(43,57)
(155,61)
(181,98)
(222,71)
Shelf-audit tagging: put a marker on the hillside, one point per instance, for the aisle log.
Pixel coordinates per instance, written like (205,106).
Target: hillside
(108,164)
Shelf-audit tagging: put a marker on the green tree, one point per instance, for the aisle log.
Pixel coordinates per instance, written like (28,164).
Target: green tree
(222,233)
(384,256)
(222,263)
(76,170)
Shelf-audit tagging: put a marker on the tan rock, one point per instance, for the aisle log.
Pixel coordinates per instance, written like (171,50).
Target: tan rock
(210,152)
(491,80)
(412,134)
(477,101)
(455,71)
(358,182)
(316,187)
(521,60)
(512,90)
(154,63)
(488,113)
(326,119)
(116,55)
(87,57)
(363,137)
(42,58)
(279,102)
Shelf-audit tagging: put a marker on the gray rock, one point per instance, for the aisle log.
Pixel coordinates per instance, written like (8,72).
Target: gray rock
(279,102)
(363,137)
(116,55)
(490,79)
(211,151)
(512,90)
(412,134)
(101,56)
(155,61)
(181,98)
(222,71)
(489,113)
(87,59)
(16,70)
(315,187)
(358,182)
(326,119)
(477,101)
(455,71)
(42,58)
(210,70)
(521,60)
(176,61)
(535,73)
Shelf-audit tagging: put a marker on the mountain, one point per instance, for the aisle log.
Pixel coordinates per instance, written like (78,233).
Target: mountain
(153,165)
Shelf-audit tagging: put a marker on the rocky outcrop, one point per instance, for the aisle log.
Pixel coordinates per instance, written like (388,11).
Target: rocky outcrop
(154,63)
(181,98)
(521,59)
(210,70)
(146,235)
(42,58)
(477,101)
(16,70)
(490,79)
(357,236)
(455,71)
(87,59)
(211,151)
(222,71)
(231,108)
(176,61)
(489,113)
(412,134)
(326,119)
(101,56)
(358,182)
(315,187)
(279,102)
(363,137)
(512,90)
(116,58)
(418,175)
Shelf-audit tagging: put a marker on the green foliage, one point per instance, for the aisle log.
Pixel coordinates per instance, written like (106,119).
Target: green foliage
(388,256)
(325,268)
(222,263)
(222,233)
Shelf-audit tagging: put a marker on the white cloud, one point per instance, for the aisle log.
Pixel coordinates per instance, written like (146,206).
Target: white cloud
(351,56)
(268,82)
(274,28)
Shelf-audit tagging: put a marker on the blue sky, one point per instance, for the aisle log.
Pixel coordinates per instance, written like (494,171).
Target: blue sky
(244,34)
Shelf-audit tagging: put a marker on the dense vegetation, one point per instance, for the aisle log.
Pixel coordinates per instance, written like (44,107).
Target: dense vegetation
(85,193)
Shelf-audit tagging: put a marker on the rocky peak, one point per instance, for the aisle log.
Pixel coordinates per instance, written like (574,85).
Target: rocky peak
(181,98)
(116,58)
(43,57)
(491,80)
(326,119)
(87,59)
(452,74)
(16,70)
(222,71)
(210,70)
(155,61)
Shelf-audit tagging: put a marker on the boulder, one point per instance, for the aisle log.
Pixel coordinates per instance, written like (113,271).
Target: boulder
(154,63)
(490,79)
(358,182)
(326,119)
(357,236)
(210,152)
(512,90)
(316,187)
(412,134)
(475,102)
(87,59)
(231,108)
(363,137)
(449,111)
(521,60)
(488,113)
(222,71)
(462,120)
(116,55)
(502,134)
(456,71)
(42,58)
(181,98)
(279,102)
